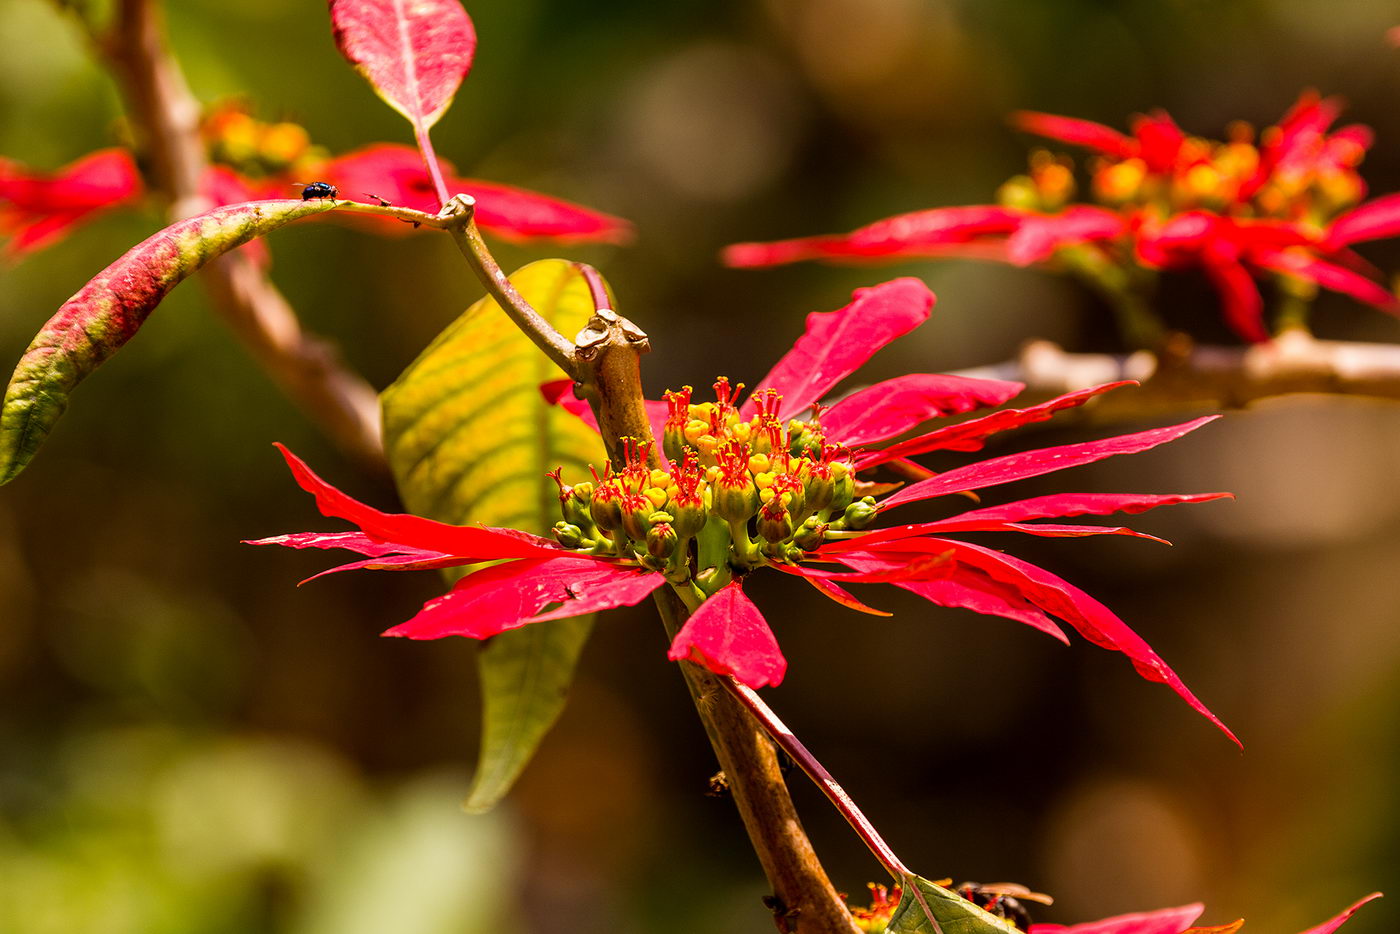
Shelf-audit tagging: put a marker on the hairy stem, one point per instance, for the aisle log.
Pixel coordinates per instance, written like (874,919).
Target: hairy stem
(165,116)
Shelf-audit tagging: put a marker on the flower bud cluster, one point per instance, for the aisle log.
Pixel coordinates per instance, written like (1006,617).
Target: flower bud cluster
(743,490)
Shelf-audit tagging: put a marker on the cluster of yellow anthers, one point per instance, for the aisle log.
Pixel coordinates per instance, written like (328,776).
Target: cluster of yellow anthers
(1209,175)
(746,491)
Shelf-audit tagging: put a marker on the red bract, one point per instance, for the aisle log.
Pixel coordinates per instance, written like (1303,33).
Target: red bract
(1237,211)
(253,161)
(396,173)
(765,484)
(1178,921)
(38,209)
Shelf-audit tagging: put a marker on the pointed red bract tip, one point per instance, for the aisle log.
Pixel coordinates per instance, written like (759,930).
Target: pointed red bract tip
(729,636)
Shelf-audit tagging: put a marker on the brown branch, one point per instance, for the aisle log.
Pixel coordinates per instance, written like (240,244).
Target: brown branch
(1189,378)
(165,116)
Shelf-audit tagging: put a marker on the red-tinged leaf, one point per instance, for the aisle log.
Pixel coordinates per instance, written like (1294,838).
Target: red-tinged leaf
(836,343)
(966,588)
(1240,301)
(1039,237)
(1028,464)
(1163,921)
(729,636)
(507,596)
(408,532)
(518,214)
(1329,276)
(972,434)
(414,53)
(1331,924)
(38,209)
(1076,132)
(108,311)
(1092,619)
(1229,928)
(1373,220)
(896,405)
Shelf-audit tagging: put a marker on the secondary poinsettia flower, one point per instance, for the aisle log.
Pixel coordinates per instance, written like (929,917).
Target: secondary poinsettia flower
(1180,921)
(774,482)
(251,160)
(1284,208)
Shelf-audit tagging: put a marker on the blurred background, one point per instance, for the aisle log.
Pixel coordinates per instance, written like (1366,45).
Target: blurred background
(189,743)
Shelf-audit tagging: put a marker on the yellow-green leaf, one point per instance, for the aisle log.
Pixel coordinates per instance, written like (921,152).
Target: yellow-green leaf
(469,438)
(925,902)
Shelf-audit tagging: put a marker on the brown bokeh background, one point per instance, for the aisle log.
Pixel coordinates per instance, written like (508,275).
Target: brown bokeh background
(188,743)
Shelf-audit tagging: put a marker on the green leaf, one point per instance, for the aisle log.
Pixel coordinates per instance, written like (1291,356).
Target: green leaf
(955,915)
(469,438)
(108,311)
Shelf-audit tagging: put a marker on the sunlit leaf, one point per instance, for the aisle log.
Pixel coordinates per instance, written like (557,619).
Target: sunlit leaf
(470,437)
(414,53)
(954,915)
(108,311)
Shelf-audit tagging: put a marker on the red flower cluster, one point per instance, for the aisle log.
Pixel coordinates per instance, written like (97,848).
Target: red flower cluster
(759,484)
(251,160)
(1284,206)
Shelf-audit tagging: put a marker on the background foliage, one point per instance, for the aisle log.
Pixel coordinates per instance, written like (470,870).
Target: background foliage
(184,736)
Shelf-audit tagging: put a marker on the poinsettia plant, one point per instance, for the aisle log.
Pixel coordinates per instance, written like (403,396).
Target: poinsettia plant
(1285,207)
(677,500)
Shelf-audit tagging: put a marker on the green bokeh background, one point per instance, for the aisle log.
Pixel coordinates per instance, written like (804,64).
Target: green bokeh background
(188,743)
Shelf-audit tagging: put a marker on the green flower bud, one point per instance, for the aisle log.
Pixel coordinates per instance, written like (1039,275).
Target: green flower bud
(811,534)
(860,514)
(575,506)
(570,536)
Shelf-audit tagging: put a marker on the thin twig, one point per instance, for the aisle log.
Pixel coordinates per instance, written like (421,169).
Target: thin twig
(818,773)
(459,211)
(165,115)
